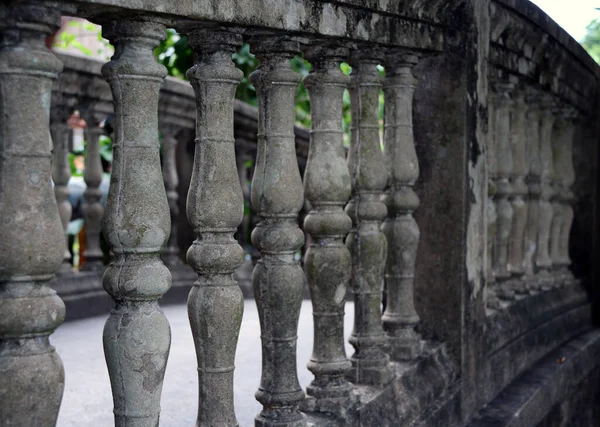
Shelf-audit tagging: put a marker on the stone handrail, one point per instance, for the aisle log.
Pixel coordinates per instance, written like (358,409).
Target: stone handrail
(468,220)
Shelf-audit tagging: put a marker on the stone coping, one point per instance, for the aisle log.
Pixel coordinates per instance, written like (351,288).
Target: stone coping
(355,21)
(530,46)
(526,314)
(526,401)
(538,17)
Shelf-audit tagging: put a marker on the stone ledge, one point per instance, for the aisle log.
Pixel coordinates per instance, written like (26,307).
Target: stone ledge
(502,366)
(420,390)
(526,314)
(316,17)
(526,401)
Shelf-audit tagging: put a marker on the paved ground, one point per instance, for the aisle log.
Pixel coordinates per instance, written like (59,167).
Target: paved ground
(88,402)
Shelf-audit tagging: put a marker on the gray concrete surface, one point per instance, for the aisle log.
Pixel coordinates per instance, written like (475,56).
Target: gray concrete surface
(87,398)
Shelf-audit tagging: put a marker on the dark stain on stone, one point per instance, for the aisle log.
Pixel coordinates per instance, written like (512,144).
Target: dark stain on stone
(153,375)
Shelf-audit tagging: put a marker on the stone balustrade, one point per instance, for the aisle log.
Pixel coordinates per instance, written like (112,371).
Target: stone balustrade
(460,219)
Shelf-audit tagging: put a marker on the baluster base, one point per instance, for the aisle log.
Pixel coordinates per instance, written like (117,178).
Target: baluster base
(328,394)
(372,369)
(505,291)
(544,280)
(405,344)
(280,417)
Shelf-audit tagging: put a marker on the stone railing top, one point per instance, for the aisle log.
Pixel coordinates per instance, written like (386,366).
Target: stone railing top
(528,44)
(537,16)
(411,24)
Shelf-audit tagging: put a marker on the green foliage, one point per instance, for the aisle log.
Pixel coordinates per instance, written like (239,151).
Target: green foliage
(175,54)
(591,41)
(247,63)
(106,151)
(68,39)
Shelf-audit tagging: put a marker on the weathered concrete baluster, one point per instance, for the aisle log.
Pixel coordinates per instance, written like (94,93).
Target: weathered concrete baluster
(32,237)
(215,209)
(170,255)
(504,166)
(92,209)
(327,262)
(61,174)
(366,241)
(242,159)
(532,143)
(558,213)
(543,261)
(400,228)
(136,225)
(491,213)
(277,198)
(519,192)
(564,177)
(567,196)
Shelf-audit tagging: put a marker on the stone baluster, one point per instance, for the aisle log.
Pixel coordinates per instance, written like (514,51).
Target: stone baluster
(519,191)
(491,213)
(564,179)
(92,208)
(241,159)
(366,241)
(170,255)
(532,143)
(136,225)
(543,261)
(215,209)
(61,174)
(32,248)
(327,262)
(277,198)
(567,195)
(400,228)
(504,167)
(558,219)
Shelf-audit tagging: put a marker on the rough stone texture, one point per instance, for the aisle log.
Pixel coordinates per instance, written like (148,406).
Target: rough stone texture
(277,197)
(136,225)
(215,209)
(366,242)
(380,21)
(327,261)
(32,237)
